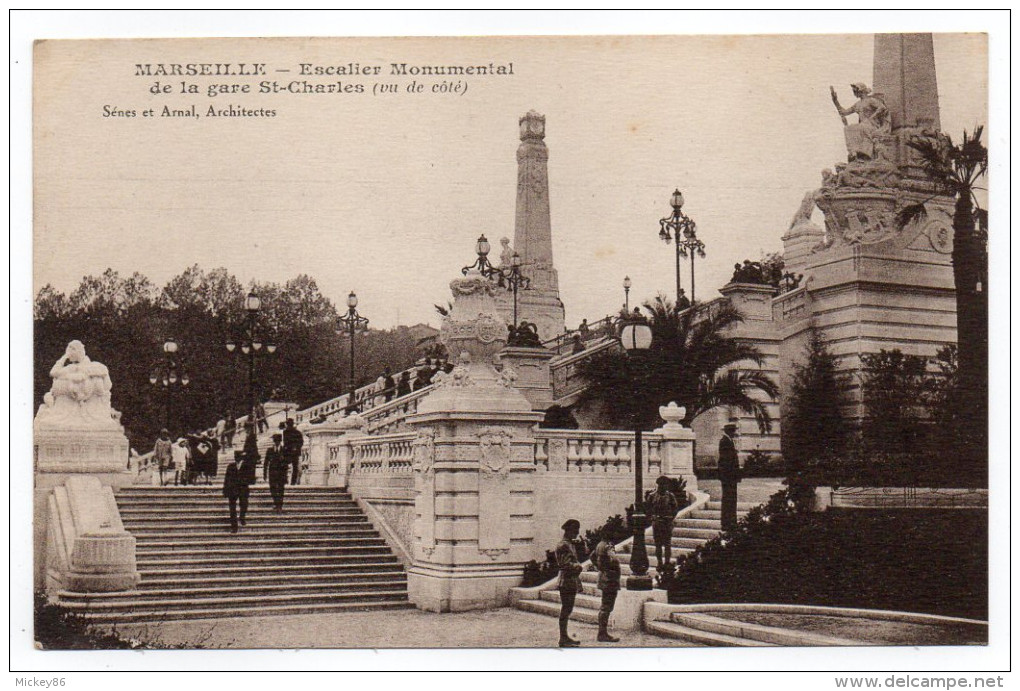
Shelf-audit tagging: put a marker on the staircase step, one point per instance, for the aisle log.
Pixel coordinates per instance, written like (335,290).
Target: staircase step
(222,509)
(700,523)
(388,572)
(213,522)
(590,616)
(160,572)
(261,532)
(153,613)
(221,593)
(258,544)
(582,601)
(744,506)
(174,504)
(669,629)
(216,490)
(241,557)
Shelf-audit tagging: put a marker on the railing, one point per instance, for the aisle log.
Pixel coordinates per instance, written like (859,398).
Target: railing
(907,498)
(389,417)
(566,371)
(562,344)
(383,454)
(595,451)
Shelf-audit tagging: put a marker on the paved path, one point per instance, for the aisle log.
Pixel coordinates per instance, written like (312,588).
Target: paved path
(500,628)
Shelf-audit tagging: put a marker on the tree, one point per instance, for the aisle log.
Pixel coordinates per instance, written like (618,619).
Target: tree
(893,390)
(814,428)
(955,170)
(692,361)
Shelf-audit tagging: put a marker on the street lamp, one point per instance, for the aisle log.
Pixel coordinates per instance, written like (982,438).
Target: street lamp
(509,277)
(682,230)
(482,265)
(626,293)
(351,323)
(170,374)
(637,336)
(251,343)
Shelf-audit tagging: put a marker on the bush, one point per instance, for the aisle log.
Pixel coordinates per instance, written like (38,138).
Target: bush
(58,628)
(537,574)
(761,464)
(843,558)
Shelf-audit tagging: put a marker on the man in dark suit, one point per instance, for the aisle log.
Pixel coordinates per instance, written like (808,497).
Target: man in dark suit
(275,470)
(232,487)
(246,477)
(293,440)
(729,476)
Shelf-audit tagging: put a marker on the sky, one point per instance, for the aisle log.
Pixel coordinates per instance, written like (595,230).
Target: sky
(386,194)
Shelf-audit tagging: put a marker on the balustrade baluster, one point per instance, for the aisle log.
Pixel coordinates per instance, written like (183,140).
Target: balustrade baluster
(573,454)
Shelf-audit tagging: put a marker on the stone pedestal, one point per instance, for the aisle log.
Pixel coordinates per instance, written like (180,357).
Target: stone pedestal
(534,380)
(677,446)
(86,546)
(628,614)
(473,466)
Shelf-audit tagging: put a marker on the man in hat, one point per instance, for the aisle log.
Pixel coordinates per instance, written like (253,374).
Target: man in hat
(570,578)
(275,470)
(608,564)
(662,508)
(729,475)
(293,440)
(232,486)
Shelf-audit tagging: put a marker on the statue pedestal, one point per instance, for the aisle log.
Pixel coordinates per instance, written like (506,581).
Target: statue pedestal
(80,451)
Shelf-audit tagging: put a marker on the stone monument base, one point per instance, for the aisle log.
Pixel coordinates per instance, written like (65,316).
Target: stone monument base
(89,451)
(460,588)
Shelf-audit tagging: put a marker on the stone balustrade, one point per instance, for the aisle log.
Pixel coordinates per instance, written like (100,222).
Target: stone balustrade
(566,370)
(595,451)
(382,454)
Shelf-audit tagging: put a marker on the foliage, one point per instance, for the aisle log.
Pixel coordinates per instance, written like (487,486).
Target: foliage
(58,628)
(909,436)
(123,322)
(536,573)
(760,463)
(893,389)
(813,426)
(875,559)
(692,361)
(956,170)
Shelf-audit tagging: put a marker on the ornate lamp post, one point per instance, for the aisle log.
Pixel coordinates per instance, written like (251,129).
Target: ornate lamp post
(682,230)
(626,294)
(351,323)
(170,375)
(637,336)
(510,278)
(251,343)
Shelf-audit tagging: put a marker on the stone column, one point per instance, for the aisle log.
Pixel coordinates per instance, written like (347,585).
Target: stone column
(473,462)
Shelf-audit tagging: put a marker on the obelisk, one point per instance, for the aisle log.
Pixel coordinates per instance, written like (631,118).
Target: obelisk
(541,303)
(904,75)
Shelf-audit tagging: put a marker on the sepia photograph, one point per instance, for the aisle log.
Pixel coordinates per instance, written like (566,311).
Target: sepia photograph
(543,342)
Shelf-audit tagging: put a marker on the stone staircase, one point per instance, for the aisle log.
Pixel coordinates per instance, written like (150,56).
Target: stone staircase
(707,629)
(691,529)
(320,555)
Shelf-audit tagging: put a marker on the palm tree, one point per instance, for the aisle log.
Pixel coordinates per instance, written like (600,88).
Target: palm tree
(955,171)
(691,361)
